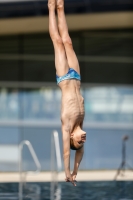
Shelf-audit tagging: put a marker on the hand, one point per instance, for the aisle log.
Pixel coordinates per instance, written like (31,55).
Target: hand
(71,178)
(74,176)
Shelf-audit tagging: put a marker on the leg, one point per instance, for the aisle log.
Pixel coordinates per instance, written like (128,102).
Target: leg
(60,55)
(63,30)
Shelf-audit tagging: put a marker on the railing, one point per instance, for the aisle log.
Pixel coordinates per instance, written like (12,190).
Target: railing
(23,174)
(55,192)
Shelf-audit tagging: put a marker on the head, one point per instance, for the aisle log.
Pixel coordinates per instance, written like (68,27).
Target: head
(77,139)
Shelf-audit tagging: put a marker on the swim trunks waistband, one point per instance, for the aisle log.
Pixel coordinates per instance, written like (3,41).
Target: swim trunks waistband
(72,74)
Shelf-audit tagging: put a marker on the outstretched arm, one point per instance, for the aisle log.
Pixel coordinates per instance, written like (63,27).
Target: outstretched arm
(66,150)
(66,154)
(78,157)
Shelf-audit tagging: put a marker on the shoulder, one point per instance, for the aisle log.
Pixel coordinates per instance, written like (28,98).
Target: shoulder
(64,119)
(65,123)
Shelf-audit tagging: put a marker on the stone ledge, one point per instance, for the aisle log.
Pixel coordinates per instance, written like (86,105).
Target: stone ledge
(82,176)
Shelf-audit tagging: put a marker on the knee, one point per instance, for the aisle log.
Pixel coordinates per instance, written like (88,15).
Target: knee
(60,4)
(67,41)
(56,38)
(51,4)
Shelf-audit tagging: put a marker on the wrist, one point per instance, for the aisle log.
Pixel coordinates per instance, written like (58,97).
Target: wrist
(75,172)
(67,172)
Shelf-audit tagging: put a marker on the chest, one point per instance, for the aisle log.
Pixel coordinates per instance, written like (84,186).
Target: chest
(73,108)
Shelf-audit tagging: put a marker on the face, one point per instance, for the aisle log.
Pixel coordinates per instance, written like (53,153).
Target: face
(79,137)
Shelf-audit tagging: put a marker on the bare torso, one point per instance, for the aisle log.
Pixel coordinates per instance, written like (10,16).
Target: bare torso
(72,108)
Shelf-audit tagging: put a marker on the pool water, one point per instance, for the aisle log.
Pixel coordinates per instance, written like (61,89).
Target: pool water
(109,190)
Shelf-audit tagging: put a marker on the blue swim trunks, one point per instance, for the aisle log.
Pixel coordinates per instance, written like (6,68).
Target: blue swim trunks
(72,74)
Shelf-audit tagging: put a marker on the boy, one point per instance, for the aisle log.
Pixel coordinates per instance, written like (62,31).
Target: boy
(68,79)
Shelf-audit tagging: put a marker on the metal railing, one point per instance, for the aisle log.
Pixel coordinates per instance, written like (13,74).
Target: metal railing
(55,192)
(23,174)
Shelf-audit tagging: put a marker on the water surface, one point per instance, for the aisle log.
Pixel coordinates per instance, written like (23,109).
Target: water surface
(108,190)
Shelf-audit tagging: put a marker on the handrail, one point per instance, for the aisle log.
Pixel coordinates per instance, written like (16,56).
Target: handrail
(55,143)
(57,149)
(37,163)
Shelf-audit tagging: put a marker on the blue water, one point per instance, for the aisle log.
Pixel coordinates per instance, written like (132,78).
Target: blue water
(110,190)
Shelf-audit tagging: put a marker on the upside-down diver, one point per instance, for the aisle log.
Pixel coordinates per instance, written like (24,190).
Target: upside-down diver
(68,79)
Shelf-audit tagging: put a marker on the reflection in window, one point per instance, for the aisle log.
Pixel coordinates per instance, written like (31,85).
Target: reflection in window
(109,104)
(9,104)
(102,104)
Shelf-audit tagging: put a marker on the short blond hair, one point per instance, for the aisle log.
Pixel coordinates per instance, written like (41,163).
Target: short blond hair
(72,146)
